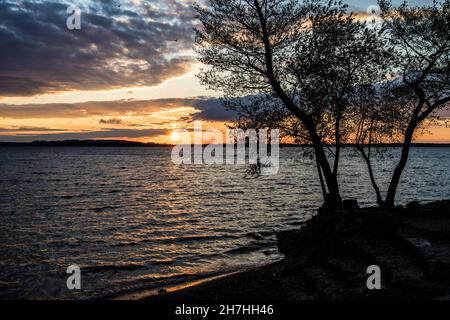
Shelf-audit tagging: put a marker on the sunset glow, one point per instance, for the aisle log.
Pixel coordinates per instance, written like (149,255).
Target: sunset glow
(137,90)
(225,159)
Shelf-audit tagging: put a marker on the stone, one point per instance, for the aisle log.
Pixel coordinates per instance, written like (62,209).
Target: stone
(162,291)
(286,240)
(349,204)
(413,205)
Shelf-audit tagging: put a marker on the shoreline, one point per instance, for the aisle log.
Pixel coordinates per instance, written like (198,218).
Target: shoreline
(328,258)
(147,293)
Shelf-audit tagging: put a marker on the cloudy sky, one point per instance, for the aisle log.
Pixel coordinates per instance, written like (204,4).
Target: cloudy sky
(129,73)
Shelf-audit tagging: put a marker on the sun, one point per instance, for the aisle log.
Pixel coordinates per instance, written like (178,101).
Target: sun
(175,136)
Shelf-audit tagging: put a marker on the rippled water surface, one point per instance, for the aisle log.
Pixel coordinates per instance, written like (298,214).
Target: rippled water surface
(131,219)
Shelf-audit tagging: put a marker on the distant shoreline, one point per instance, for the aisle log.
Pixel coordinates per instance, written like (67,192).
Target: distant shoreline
(124,143)
(83,143)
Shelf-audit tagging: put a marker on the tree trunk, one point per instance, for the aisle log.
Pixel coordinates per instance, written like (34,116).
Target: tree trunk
(389,203)
(338,144)
(371,175)
(322,183)
(334,197)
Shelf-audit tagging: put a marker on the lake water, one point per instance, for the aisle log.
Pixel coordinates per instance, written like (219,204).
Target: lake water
(133,220)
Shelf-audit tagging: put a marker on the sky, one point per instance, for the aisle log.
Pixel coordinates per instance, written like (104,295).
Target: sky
(128,73)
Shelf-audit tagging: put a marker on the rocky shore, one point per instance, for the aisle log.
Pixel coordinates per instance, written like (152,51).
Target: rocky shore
(329,256)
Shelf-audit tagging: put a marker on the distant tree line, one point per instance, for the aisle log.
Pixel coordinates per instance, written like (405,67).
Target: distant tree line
(328,78)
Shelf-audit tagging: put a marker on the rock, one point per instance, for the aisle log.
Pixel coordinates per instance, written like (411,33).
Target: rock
(413,205)
(287,239)
(431,250)
(162,291)
(349,204)
(326,206)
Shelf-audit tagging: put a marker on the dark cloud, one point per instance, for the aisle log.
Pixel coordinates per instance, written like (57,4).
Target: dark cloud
(127,46)
(209,109)
(212,110)
(81,110)
(30,129)
(106,134)
(110,121)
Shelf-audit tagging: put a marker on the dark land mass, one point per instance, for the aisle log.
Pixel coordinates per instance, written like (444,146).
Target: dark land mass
(382,145)
(82,143)
(329,256)
(124,143)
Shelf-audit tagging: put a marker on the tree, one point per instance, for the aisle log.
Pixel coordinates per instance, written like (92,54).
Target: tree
(264,111)
(421,39)
(338,55)
(377,118)
(306,56)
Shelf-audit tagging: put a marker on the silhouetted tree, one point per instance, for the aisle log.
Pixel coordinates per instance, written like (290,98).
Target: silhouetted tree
(377,118)
(338,55)
(306,56)
(421,39)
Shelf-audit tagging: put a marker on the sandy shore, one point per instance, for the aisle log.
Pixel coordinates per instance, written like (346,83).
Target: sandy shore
(328,259)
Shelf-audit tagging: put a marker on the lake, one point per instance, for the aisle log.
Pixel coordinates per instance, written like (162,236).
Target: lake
(132,220)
